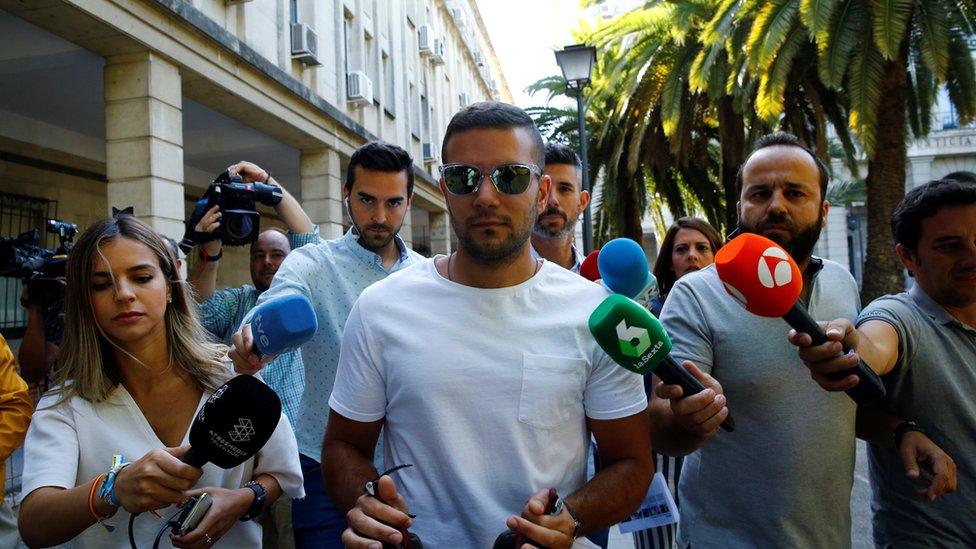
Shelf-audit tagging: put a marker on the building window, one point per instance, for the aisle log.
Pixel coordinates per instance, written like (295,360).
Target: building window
(371,65)
(414,112)
(389,86)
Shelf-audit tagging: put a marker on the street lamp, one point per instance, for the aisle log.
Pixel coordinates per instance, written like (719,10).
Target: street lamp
(576,62)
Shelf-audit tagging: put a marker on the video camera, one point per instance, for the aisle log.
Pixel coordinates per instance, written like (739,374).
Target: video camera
(240,222)
(40,268)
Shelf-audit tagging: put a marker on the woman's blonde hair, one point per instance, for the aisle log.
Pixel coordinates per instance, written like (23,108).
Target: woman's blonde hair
(86,358)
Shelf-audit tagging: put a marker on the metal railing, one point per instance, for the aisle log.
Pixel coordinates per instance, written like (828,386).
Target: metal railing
(949,120)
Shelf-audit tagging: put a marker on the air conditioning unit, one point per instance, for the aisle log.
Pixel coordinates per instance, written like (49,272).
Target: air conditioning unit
(479,58)
(425,41)
(463,99)
(304,44)
(359,88)
(459,17)
(430,153)
(437,52)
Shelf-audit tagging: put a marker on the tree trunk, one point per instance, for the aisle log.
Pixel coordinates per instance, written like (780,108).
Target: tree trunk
(731,130)
(886,186)
(633,214)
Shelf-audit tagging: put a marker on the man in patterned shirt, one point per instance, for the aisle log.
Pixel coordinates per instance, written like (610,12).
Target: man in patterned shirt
(331,274)
(222,311)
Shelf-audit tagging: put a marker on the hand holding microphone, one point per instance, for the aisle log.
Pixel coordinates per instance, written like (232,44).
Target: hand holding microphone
(277,325)
(761,276)
(635,340)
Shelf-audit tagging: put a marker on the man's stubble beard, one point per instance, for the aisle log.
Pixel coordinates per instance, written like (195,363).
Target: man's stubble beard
(800,247)
(506,249)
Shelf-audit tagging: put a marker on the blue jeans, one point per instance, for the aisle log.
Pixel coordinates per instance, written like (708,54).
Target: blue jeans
(318,524)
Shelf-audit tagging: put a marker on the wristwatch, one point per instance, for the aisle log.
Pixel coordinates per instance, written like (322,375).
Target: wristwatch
(903,428)
(258,504)
(562,504)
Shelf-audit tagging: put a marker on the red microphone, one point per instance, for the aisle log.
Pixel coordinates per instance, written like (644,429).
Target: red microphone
(589,268)
(761,276)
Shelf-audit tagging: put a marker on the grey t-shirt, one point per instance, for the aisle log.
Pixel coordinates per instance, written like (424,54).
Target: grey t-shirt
(934,383)
(783,477)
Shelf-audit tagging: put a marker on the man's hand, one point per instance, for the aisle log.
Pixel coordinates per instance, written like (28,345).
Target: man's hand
(375,519)
(251,172)
(243,353)
(829,358)
(209,223)
(917,451)
(700,414)
(552,531)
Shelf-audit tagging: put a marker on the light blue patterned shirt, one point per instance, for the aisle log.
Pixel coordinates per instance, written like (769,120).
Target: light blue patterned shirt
(331,274)
(222,314)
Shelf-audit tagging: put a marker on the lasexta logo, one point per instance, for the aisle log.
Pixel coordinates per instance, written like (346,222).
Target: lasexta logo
(633,340)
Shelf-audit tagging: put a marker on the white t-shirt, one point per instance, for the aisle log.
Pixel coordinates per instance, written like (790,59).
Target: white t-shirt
(485,391)
(72,443)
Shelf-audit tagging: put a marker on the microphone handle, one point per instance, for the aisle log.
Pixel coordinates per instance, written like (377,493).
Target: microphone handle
(673,373)
(869,388)
(195,459)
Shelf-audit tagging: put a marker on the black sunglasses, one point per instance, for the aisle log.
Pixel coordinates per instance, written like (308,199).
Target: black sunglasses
(461,179)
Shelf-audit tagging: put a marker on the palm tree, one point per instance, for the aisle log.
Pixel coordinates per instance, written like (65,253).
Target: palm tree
(885,59)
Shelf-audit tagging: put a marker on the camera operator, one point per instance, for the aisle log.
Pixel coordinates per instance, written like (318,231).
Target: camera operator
(42,336)
(222,311)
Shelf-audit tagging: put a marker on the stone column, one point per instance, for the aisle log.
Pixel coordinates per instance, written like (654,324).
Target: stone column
(919,171)
(440,233)
(321,177)
(144,139)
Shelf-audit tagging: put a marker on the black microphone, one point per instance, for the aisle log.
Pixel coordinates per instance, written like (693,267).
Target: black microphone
(235,422)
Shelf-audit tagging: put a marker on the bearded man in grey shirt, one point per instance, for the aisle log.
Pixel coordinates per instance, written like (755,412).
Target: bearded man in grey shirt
(783,478)
(924,343)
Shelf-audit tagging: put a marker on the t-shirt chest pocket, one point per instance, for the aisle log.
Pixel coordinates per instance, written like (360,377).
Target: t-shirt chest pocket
(552,390)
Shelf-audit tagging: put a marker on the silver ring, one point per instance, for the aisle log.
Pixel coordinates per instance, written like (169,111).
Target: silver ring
(206,538)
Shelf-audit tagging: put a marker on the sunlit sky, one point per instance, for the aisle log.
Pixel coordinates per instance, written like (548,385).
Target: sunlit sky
(524,34)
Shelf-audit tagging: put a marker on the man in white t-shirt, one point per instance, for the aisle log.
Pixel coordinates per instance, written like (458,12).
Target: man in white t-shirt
(482,370)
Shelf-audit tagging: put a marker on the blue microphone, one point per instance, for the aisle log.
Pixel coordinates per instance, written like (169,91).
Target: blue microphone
(624,269)
(282,324)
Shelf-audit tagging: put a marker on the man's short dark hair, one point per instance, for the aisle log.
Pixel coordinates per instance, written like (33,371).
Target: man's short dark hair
(494,115)
(379,156)
(964,176)
(557,153)
(925,201)
(783,139)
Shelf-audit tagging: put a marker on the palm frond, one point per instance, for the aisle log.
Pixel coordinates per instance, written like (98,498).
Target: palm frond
(769,32)
(890,25)
(962,79)
(836,42)
(773,81)
(816,15)
(864,88)
(933,27)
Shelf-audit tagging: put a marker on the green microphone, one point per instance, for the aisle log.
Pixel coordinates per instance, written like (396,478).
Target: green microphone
(636,340)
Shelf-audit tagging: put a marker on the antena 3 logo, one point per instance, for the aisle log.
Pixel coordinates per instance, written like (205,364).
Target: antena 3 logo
(633,340)
(774,268)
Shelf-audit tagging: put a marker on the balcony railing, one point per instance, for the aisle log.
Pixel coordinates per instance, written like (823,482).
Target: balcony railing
(949,120)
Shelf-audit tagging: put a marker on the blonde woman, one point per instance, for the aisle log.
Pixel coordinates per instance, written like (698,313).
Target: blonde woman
(135,368)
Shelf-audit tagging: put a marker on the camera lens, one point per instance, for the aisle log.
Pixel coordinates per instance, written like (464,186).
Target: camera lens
(239,226)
